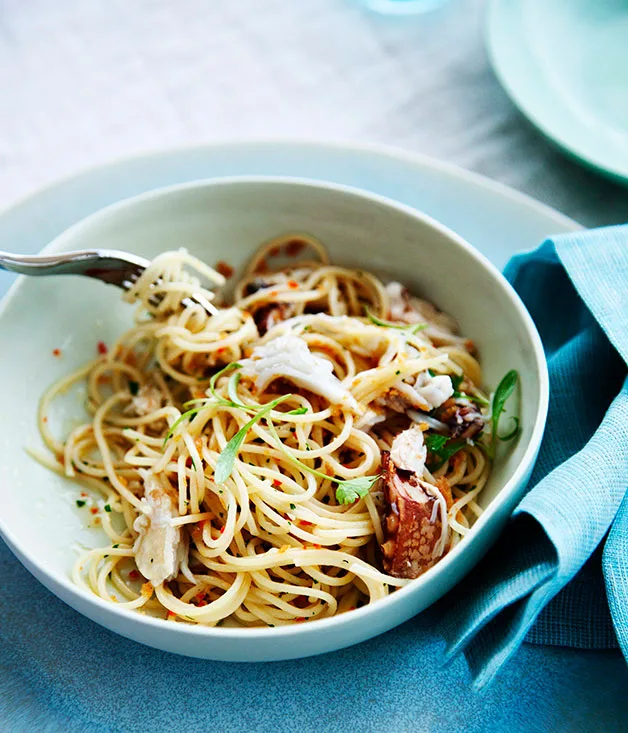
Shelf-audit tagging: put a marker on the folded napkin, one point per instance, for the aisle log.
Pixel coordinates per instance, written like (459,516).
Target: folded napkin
(557,575)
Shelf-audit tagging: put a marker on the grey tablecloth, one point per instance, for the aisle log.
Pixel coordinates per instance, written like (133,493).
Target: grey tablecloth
(83,81)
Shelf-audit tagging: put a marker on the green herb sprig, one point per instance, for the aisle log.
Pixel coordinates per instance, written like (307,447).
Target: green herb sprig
(502,394)
(226,459)
(216,399)
(456,381)
(412,328)
(347,491)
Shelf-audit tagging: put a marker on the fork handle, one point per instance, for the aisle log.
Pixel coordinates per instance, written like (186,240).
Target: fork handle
(106,265)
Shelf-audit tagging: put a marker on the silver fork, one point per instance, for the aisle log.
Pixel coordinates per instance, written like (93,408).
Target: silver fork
(109,265)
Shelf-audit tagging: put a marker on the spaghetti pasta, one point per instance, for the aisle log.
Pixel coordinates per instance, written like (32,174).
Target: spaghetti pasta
(234,451)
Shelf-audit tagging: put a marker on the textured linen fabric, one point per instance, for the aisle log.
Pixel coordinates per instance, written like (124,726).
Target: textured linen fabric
(576,288)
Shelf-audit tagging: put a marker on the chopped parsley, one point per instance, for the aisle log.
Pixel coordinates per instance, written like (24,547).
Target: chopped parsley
(435,442)
(134,388)
(107,507)
(441,449)
(353,489)
(80,503)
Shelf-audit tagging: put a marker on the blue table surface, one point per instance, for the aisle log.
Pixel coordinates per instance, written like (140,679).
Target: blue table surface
(52,683)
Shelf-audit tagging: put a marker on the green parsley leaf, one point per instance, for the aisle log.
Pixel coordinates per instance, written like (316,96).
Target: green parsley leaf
(444,451)
(354,489)
(298,411)
(226,460)
(293,506)
(80,503)
(134,387)
(107,507)
(434,442)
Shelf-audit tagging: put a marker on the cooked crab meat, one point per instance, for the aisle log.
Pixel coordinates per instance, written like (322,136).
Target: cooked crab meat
(159,548)
(433,389)
(426,393)
(147,400)
(404,307)
(408,451)
(289,357)
(414,535)
(463,419)
(400,308)
(369,419)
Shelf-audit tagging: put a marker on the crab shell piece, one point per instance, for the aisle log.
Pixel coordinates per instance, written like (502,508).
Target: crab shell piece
(412,523)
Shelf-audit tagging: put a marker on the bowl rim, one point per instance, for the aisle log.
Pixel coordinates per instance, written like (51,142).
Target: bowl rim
(316,625)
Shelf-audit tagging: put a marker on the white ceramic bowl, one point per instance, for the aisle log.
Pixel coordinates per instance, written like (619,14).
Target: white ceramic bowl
(227,219)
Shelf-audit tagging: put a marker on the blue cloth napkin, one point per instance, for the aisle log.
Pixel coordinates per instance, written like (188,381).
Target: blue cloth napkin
(556,575)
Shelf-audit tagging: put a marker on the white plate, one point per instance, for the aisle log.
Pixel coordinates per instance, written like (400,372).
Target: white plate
(564,63)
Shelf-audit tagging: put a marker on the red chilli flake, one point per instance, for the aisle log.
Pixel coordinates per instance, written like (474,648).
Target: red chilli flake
(305,523)
(101,347)
(292,284)
(298,619)
(222,529)
(134,575)
(94,510)
(171,614)
(277,483)
(201,599)
(225,269)
(56,352)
